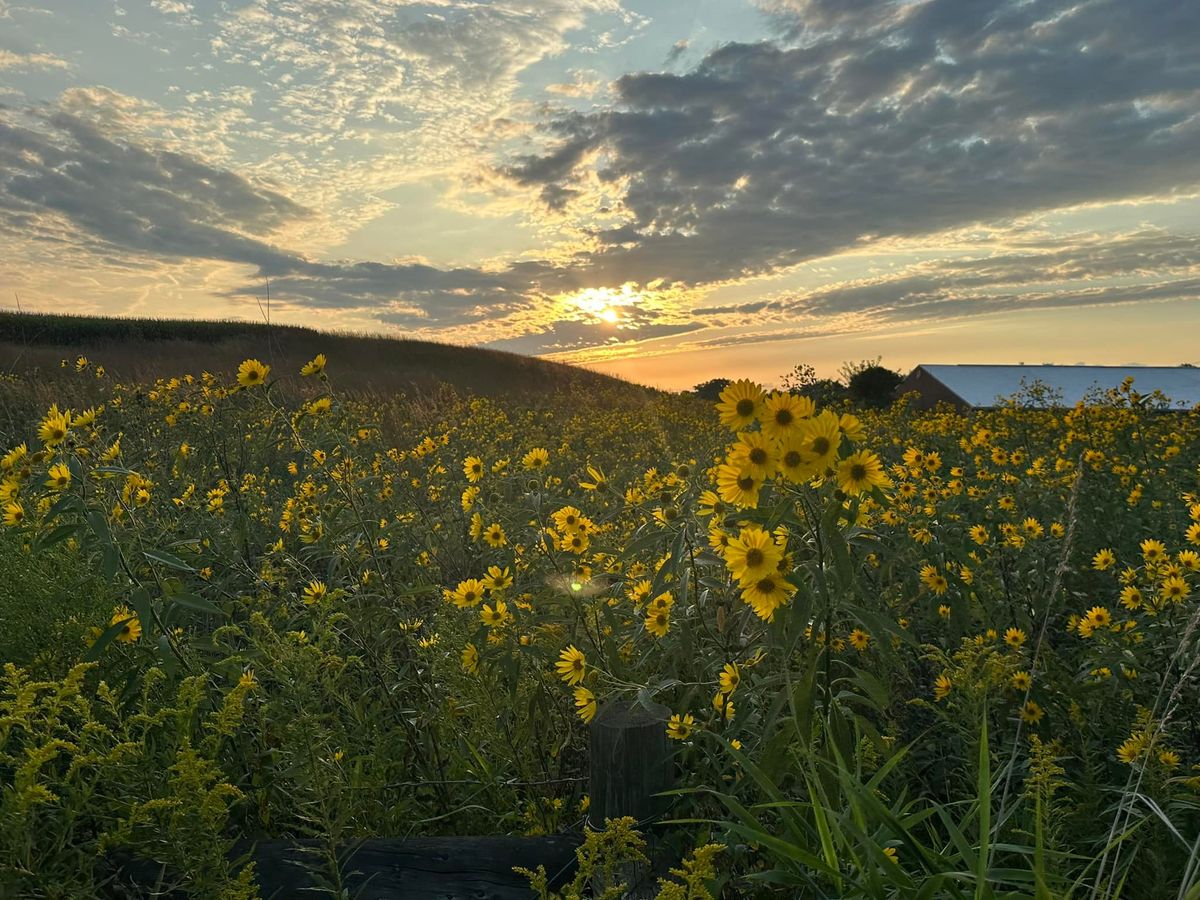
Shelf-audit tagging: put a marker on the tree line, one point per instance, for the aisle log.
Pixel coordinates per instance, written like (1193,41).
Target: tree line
(865,383)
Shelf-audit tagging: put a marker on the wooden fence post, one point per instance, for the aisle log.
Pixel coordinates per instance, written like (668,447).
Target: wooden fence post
(631,761)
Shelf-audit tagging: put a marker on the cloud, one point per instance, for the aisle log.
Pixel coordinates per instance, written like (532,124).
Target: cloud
(583,85)
(677,50)
(124,194)
(988,277)
(17,61)
(65,180)
(172,7)
(566,335)
(879,120)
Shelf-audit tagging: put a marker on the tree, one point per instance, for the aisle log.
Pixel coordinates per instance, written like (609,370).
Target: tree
(873,385)
(711,389)
(800,379)
(827,392)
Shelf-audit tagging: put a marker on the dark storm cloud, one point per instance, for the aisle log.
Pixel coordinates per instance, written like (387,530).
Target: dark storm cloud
(885,119)
(120,196)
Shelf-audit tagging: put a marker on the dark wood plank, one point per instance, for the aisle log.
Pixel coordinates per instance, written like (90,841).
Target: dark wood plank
(451,868)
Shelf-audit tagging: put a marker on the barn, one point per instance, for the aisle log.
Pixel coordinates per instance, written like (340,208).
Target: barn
(984,387)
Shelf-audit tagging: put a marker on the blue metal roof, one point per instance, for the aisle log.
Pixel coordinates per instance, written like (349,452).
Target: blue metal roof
(981,385)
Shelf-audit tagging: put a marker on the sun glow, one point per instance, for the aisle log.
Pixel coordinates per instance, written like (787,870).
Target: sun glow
(604,303)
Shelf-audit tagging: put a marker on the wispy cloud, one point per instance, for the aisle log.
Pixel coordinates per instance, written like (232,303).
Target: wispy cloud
(14,61)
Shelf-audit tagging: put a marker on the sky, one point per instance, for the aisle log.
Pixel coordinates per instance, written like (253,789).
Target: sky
(668,191)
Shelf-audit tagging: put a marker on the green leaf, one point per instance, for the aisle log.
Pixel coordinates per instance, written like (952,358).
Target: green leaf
(170,661)
(63,504)
(139,600)
(983,790)
(836,542)
(54,536)
(196,603)
(167,559)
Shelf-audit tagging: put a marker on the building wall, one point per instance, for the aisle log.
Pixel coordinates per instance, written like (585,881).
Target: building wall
(930,392)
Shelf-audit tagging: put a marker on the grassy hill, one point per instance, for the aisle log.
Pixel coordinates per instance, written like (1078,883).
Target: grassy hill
(147,348)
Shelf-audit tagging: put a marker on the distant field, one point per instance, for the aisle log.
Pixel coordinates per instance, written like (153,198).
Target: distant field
(143,349)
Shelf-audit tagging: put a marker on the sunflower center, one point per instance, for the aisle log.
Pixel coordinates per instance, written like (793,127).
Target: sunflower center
(758,456)
(858,472)
(746,483)
(784,417)
(766,585)
(820,445)
(745,407)
(792,459)
(754,557)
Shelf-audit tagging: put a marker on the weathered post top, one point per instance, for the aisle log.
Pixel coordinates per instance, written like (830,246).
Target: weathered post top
(631,761)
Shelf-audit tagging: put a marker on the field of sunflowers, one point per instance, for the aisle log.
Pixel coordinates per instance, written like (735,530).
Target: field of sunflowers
(906,654)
